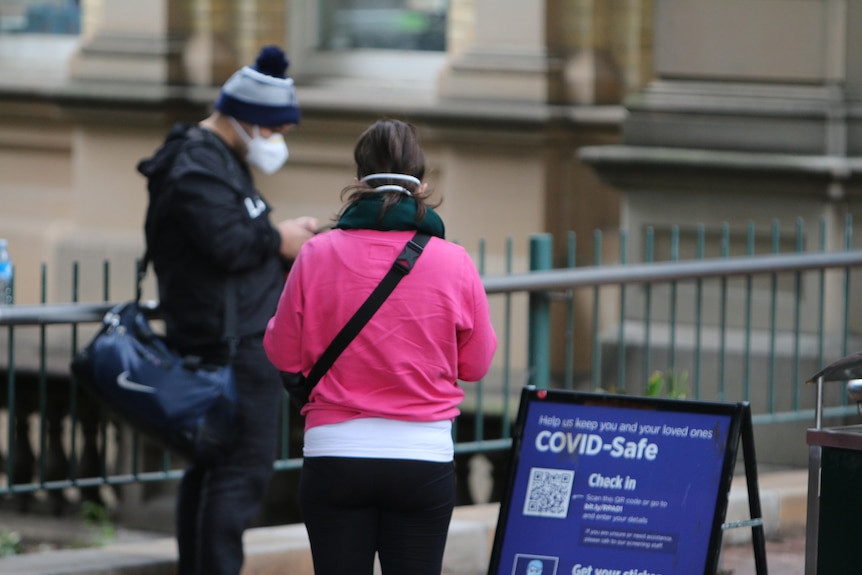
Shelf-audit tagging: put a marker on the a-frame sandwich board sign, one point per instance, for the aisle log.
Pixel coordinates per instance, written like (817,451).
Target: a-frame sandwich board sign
(606,484)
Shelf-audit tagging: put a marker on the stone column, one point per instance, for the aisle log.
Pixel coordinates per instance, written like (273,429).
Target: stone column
(549,51)
(132,41)
(176,42)
(228,34)
(211,55)
(508,57)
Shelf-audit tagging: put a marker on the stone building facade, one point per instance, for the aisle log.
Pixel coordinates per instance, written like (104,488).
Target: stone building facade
(502,111)
(542,116)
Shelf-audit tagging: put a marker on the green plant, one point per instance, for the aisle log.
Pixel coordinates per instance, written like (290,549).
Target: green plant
(671,385)
(98,522)
(10,543)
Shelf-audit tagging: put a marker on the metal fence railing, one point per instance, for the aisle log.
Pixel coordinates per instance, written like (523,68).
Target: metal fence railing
(739,327)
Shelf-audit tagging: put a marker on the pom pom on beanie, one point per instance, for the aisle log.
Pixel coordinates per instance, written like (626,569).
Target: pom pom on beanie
(261,94)
(272,62)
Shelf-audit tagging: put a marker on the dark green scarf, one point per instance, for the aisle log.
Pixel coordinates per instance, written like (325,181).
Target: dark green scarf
(364,214)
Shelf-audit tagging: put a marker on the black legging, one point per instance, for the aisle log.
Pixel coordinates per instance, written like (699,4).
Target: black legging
(399,508)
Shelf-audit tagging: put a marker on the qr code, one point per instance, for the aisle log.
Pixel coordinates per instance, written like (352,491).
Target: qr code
(549,492)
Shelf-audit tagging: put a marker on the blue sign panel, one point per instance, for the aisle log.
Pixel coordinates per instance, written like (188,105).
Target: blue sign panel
(611,485)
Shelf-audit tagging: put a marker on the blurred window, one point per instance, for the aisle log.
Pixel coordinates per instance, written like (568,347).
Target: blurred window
(413,25)
(37,40)
(373,44)
(40,17)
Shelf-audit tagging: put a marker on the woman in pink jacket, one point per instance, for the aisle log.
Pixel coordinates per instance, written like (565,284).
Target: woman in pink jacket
(378,473)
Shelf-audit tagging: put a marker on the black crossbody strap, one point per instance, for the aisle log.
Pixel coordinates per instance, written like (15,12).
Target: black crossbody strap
(402,266)
(230,335)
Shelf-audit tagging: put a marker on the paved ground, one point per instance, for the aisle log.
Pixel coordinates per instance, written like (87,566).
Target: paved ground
(284,549)
(785,557)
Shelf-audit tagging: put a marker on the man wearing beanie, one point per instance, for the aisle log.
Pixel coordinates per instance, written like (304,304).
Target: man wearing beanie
(208,233)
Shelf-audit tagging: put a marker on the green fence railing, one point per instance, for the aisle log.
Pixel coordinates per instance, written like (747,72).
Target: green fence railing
(735,326)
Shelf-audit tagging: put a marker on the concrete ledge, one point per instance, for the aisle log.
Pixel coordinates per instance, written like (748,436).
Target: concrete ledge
(283,550)
(783,501)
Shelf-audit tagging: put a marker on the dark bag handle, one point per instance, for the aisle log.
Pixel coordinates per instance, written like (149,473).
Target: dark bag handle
(400,268)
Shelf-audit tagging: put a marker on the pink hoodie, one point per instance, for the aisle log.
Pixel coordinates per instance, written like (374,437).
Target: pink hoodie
(433,329)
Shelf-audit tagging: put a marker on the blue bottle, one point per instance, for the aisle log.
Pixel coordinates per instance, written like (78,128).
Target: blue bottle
(6,273)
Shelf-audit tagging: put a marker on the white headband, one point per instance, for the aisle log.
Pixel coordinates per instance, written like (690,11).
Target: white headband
(392,187)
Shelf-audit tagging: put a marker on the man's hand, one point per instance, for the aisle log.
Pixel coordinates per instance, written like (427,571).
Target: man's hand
(294,233)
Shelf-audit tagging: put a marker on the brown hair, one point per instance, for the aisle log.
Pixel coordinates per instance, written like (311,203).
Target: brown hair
(388,147)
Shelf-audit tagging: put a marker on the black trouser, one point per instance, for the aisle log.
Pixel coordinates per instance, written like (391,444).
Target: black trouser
(354,507)
(216,503)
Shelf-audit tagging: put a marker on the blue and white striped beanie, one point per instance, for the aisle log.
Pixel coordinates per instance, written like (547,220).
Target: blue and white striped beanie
(261,94)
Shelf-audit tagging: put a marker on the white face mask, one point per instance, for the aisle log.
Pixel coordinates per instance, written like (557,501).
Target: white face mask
(266,154)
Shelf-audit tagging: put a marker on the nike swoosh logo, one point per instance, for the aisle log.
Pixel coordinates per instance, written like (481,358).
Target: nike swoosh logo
(255,207)
(126,383)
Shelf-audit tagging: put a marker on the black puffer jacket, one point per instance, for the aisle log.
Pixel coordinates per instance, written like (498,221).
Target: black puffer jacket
(206,223)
